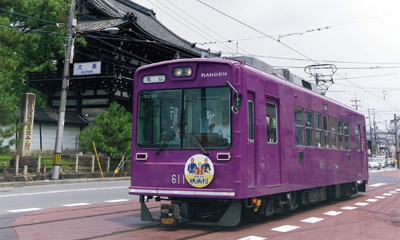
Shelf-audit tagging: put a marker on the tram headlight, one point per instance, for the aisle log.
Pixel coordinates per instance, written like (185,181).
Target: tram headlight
(188,71)
(182,72)
(177,72)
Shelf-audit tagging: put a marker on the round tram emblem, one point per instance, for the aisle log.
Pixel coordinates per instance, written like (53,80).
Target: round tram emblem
(199,170)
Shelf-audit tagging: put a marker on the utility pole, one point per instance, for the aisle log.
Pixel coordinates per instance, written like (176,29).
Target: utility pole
(370,130)
(395,140)
(356,101)
(376,144)
(63,97)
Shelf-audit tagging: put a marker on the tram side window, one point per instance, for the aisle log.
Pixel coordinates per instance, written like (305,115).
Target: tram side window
(334,132)
(299,126)
(271,123)
(346,136)
(250,119)
(340,130)
(358,136)
(318,130)
(327,132)
(309,128)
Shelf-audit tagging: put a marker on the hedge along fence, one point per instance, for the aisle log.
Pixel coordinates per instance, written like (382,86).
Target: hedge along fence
(81,163)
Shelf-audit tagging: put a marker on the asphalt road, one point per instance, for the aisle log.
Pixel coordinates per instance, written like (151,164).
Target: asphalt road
(25,205)
(16,202)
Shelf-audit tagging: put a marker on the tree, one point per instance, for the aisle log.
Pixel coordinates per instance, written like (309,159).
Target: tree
(30,41)
(8,120)
(112,132)
(27,44)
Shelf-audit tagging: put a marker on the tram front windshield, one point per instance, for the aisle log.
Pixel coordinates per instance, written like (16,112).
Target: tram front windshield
(184,118)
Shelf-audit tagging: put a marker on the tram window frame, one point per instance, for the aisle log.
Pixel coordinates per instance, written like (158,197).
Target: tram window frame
(334,134)
(299,126)
(318,130)
(347,142)
(309,134)
(340,134)
(327,132)
(358,137)
(271,122)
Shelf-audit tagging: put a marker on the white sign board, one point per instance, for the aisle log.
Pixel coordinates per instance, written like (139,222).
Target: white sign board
(88,68)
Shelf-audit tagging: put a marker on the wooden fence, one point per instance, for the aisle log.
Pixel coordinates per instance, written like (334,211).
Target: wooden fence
(83,163)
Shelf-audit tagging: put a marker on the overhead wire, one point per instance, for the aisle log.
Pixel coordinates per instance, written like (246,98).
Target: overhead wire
(337,25)
(200,34)
(287,46)
(29,17)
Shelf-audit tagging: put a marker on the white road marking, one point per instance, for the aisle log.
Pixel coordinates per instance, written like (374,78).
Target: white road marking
(371,200)
(24,210)
(105,188)
(117,200)
(312,220)
(348,208)
(387,194)
(285,228)
(397,190)
(332,213)
(361,204)
(377,184)
(379,197)
(252,238)
(76,204)
(393,192)
(60,191)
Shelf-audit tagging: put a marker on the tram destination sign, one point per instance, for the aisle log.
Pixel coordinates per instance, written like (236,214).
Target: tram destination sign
(87,68)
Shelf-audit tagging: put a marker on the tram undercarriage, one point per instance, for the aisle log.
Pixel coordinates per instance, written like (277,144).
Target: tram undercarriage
(219,212)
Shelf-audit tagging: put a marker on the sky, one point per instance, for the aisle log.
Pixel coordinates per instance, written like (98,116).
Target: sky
(360,37)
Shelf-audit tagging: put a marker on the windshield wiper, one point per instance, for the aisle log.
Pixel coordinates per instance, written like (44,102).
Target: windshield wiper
(167,140)
(195,138)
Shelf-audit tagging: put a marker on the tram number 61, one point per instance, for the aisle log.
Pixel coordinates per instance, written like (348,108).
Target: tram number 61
(178,179)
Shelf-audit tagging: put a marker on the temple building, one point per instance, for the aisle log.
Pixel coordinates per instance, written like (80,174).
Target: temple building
(120,37)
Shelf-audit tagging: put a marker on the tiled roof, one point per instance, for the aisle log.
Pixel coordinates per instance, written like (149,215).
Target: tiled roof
(50,115)
(121,12)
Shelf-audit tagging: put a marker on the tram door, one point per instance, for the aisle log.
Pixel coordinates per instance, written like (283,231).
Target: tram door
(363,158)
(251,158)
(272,148)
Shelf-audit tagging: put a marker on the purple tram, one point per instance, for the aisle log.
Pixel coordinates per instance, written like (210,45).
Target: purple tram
(219,140)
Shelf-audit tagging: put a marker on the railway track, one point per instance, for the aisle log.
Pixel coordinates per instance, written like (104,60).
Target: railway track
(122,220)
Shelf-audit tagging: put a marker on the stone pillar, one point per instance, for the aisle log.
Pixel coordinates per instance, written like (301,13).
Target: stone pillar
(25,135)
(92,166)
(108,164)
(38,163)
(16,165)
(76,163)
(27,116)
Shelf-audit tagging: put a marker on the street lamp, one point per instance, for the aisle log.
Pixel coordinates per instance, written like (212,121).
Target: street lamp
(63,97)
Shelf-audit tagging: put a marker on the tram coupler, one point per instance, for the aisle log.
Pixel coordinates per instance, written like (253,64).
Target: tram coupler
(170,214)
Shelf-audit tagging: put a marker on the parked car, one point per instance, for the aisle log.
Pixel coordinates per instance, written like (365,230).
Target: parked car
(390,161)
(382,160)
(374,163)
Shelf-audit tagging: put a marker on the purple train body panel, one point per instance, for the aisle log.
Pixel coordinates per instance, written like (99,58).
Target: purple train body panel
(283,138)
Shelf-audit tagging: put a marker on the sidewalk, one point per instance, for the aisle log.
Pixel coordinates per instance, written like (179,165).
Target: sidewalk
(69,179)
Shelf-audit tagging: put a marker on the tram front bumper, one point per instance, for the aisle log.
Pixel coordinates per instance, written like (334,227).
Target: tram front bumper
(170,214)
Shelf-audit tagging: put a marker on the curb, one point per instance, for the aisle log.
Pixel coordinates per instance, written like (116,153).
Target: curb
(62,181)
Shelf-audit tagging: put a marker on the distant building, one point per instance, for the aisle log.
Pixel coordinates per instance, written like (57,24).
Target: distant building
(45,128)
